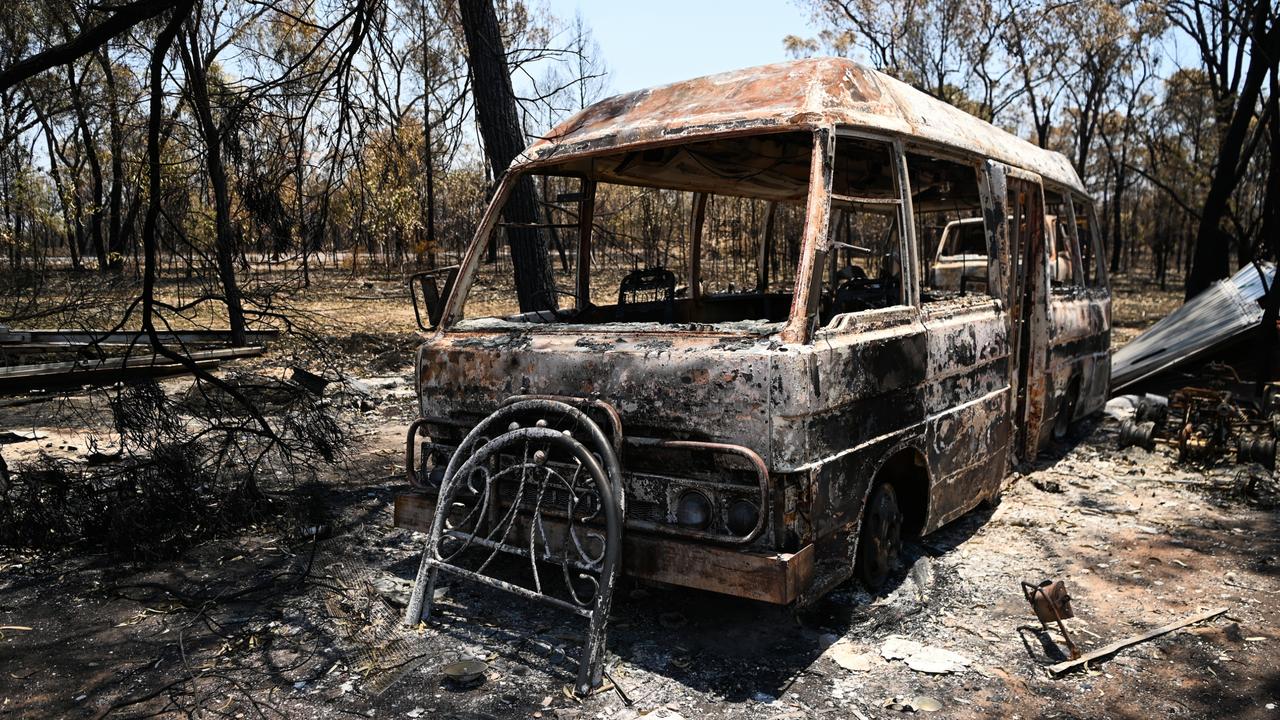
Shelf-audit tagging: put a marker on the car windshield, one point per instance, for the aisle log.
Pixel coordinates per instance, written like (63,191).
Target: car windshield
(696,234)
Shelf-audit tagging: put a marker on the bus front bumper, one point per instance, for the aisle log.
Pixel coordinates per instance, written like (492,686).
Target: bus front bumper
(777,578)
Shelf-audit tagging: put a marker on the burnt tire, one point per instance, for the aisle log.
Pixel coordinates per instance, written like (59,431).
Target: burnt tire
(992,501)
(1064,419)
(880,541)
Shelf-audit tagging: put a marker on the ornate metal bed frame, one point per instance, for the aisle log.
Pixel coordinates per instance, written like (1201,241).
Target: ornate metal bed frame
(539,480)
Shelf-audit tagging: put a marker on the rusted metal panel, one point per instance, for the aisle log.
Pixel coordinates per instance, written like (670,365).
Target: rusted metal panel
(850,386)
(814,244)
(668,385)
(810,93)
(1097,388)
(1079,347)
(967,400)
(1028,309)
(1079,336)
(777,578)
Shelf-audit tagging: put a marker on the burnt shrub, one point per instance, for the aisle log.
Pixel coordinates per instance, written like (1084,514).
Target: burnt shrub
(177,477)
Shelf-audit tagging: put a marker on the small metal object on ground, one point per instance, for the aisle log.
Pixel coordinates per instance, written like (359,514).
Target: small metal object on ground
(919,703)
(1051,602)
(1135,433)
(617,687)
(1259,449)
(311,382)
(465,672)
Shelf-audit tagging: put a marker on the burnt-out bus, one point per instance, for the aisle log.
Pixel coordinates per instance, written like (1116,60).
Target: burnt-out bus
(770,323)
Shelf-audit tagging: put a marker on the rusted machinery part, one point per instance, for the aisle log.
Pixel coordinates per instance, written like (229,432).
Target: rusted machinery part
(762,483)
(1257,448)
(537,452)
(1154,408)
(410,456)
(1204,424)
(1052,603)
(1141,434)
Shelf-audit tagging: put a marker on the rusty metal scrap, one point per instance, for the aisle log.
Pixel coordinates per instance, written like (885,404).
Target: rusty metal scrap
(1052,603)
(1119,645)
(802,94)
(537,480)
(1205,425)
(1217,316)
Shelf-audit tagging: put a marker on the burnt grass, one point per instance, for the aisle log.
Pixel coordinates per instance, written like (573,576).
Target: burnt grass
(295,612)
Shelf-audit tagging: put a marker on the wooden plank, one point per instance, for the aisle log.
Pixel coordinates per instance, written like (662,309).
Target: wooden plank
(1122,644)
(64,338)
(107,370)
(777,578)
(130,361)
(413,512)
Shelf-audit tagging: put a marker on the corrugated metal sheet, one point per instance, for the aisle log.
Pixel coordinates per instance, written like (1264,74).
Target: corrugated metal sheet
(1221,313)
(819,92)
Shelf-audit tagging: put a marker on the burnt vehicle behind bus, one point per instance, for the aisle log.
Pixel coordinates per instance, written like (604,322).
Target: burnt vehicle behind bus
(749,366)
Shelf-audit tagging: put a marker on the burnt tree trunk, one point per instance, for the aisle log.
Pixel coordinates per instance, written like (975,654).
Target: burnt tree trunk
(299,204)
(95,168)
(500,128)
(1117,222)
(224,242)
(115,238)
(62,189)
(1212,258)
(1271,235)
(428,152)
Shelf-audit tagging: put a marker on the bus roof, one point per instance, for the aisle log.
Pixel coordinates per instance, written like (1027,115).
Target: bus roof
(818,92)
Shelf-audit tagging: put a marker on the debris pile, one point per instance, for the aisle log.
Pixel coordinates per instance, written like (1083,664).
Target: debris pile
(1205,425)
(170,471)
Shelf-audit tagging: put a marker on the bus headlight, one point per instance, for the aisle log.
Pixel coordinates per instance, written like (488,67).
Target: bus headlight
(694,510)
(743,516)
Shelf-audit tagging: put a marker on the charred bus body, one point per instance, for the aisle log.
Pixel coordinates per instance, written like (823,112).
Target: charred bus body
(750,377)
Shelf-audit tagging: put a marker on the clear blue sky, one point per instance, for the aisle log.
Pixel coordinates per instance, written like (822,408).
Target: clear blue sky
(652,42)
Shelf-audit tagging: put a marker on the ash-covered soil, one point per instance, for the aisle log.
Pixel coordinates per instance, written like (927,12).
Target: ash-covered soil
(297,621)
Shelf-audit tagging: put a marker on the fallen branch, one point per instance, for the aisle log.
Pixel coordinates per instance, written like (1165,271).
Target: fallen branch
(55,339)
(1121,644)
